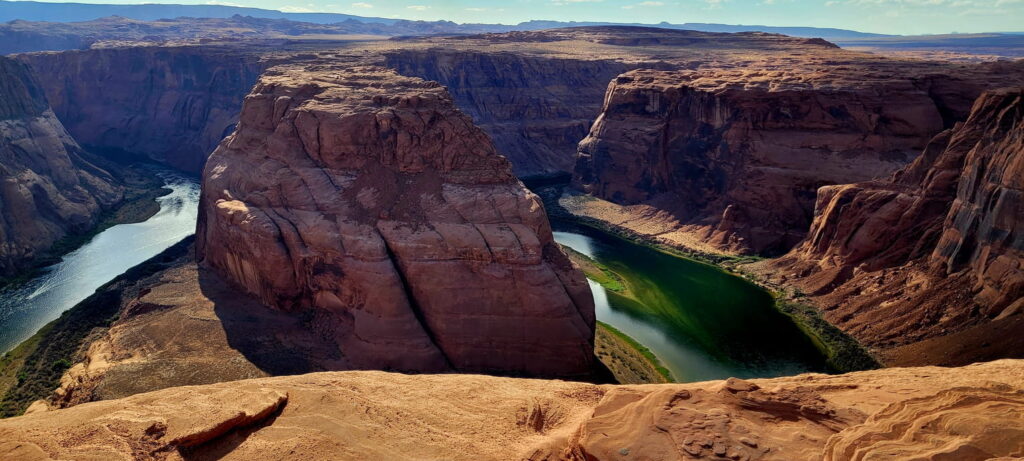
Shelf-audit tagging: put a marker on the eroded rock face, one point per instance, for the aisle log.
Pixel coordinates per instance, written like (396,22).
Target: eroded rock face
(365,199)
(741,161)
(973,413)
(172,104)
(535,109)
(936,249)
(47,189)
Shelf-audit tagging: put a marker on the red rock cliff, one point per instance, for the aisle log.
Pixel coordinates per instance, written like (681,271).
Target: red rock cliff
(365,199)
(535,109)
(172,104)
(935,251)
(47,188)
(738,156)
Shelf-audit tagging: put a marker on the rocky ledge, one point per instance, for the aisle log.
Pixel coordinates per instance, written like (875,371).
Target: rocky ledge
(365,200)
(928,266)
(967,414)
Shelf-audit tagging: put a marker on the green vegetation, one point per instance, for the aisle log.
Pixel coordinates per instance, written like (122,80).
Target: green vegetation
(643,350)
(844,354)
(33,370)
(597,272)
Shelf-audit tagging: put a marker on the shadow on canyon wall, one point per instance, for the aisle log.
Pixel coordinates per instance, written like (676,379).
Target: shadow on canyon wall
(277,342)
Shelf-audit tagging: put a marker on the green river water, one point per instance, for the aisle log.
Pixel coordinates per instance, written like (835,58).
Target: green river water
(701,322)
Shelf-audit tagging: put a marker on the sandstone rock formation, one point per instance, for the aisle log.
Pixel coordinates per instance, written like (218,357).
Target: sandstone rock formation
(47,188)
(736,158)
(366,200)
(936,250)
(970,413)
(535,109)
(172,104)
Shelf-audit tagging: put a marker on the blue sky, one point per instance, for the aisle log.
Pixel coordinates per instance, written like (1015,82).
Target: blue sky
(884,16)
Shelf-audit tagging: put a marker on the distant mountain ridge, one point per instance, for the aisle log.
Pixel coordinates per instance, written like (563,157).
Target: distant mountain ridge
(810,32)
(77,12)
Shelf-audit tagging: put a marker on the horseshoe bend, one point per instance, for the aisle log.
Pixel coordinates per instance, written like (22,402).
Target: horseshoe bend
(584,243)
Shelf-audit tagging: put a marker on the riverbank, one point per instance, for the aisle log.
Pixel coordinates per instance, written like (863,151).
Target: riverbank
(629,361)
(843,353)
(142,188)
(33,370)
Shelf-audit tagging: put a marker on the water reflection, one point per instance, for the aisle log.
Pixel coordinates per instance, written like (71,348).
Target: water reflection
(702,323)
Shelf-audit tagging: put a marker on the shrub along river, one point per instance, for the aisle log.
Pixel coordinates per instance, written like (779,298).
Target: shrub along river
(701,322)
(26,308)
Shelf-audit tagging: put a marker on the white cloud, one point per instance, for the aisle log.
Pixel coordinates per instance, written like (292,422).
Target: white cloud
(476,10)
(418,7)
(362,5)
(643,4)
(309,8)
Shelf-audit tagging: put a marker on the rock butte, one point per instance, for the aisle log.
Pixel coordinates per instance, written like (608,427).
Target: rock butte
(969,413)
(367,200)
(934,251)
(48,189)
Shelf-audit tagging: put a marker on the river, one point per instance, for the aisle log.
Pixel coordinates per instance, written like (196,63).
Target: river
(27,308)
(701,322)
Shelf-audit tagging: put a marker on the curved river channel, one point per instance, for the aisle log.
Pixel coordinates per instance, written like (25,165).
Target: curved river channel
(28,307)
(700,321)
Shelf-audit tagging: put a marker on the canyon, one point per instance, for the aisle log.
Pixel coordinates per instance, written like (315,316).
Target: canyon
(50,189)
(733,159)
(934,253)
(170,104)
(362,210)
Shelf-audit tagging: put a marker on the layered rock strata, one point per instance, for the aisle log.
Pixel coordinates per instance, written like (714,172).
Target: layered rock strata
(47,188)
(971,413)
(535,109)
(935,250)
(172,104)
(366,200)
(736,159)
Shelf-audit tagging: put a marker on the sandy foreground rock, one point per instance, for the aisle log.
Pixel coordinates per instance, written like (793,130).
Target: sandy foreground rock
(970,413)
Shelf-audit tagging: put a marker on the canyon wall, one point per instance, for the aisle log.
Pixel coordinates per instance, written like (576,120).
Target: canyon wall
(366,200)
(171,104)
(48,189)
(535,109)
(974,413)
(936,250)
(737,158)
